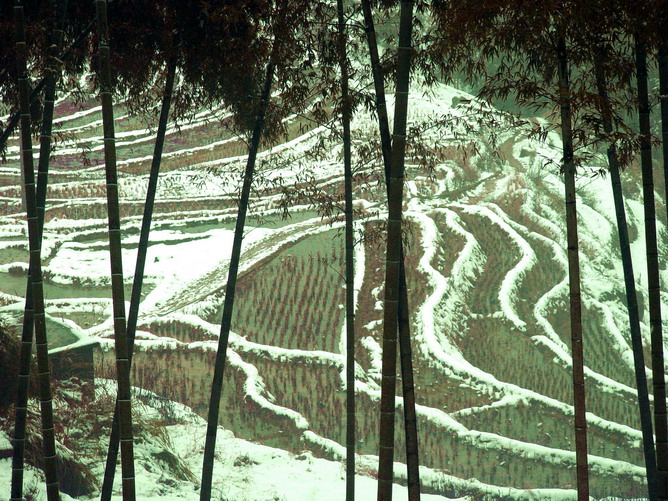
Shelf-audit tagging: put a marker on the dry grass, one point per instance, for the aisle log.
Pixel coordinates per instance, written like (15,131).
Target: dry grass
(10,347)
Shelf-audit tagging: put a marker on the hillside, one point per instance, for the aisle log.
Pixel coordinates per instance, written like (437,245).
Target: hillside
(487,279)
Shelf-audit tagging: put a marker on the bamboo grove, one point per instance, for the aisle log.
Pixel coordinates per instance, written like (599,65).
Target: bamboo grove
(583,64)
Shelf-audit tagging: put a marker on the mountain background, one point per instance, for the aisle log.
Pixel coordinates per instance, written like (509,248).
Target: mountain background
(487,278)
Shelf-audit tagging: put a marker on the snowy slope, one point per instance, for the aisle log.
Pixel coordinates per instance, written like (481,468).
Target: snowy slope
(487,278)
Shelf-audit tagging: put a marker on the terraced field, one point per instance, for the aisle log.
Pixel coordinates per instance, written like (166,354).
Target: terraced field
(487,290)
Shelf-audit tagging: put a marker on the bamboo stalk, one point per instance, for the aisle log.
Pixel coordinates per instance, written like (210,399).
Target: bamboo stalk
(410,415)
(28,312)
(350,263)
(36,284)
(228,305)
(627,262)
(393,259)
(580,422)
(654,290)
(661,420)
(135,299)
(118,294)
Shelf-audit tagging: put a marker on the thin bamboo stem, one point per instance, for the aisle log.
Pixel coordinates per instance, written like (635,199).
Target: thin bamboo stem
(627,263)
(230,288)
(350,264)
(580,421)
(118,294)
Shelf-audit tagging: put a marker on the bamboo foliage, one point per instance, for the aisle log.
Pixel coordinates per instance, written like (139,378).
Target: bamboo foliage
(36,289)
(118,294)
(41,85)
(114,440)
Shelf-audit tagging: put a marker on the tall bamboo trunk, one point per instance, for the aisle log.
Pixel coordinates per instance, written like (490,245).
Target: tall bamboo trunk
(582,472)
(663,91)
(408,386)
(630,285)
(118,294)
(661,427)
(28,312)
(62,56)
(114,440)
(230,288)
(350,259)
(393,259)
(654,288)
(36,285)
